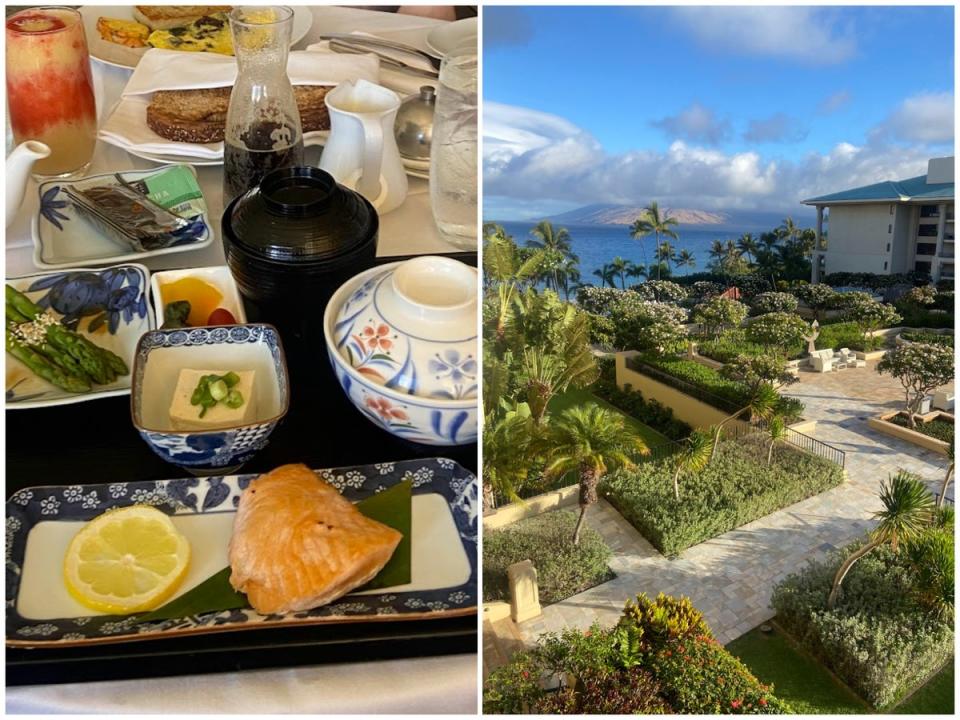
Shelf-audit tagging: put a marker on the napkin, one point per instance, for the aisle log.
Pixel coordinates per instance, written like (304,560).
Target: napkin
(402,83)
(126,127)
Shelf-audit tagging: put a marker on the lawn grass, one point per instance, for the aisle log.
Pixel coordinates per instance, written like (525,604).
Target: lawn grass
(934,698)
(583,397)
(796,677)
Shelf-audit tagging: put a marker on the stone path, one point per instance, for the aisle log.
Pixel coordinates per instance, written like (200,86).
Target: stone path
(731,577)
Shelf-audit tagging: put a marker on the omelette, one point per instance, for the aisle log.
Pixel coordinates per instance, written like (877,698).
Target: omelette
(298,543)
(210,33)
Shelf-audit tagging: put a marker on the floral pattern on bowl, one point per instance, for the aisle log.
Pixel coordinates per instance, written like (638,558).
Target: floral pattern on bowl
(210,451)
(374,364)
(221,494)
(106,305)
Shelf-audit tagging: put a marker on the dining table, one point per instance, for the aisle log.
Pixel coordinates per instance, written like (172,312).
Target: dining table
(299,670)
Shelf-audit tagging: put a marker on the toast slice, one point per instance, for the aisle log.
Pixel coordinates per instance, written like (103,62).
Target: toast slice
(164,17)
(200,116)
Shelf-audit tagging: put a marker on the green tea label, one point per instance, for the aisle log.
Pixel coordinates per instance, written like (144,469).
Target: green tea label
(177,190)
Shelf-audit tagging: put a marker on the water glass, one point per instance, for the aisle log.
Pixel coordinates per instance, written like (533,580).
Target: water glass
(453,154)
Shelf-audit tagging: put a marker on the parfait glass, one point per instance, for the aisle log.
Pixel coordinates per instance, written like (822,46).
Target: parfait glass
(50,88)
(453,150)
(263,131)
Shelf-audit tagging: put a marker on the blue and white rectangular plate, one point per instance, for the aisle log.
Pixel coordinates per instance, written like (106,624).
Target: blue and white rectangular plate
(41,521)
(63,238)
(109,306)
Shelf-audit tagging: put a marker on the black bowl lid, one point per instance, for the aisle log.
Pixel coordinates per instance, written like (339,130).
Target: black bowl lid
(300,215)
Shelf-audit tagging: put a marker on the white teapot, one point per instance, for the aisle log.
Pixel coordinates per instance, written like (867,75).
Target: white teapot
(19,163)
(361,152)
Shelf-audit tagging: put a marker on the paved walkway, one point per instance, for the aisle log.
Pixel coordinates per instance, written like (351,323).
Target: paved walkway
(731,577)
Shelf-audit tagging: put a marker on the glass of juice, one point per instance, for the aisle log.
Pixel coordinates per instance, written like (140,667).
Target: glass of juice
(50,88)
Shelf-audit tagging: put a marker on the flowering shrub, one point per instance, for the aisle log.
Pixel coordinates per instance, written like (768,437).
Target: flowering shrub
(818,297)
(624,319)
(878,639)
(778,330)
(607,692)
(875,281)
(704,290)
(868,314)
(920,296)
(756,370)
(769,302)
(920,368)
(660,291)
(737,487)
(598,300)
(717,314)
(701,677)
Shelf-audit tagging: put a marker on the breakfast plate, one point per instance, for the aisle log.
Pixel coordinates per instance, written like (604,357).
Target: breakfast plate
(113,300)
(62,238)
(41,521)
(443,39)
(314,138)
(110,53)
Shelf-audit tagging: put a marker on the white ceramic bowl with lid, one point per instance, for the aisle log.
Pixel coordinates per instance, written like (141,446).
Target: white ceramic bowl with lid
(403,342)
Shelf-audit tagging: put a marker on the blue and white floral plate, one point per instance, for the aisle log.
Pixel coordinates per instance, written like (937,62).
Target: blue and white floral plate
(41,521)
(63,238)
(110,306)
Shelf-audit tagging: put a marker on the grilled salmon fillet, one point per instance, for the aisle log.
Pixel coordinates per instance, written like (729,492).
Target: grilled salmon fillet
(298,543)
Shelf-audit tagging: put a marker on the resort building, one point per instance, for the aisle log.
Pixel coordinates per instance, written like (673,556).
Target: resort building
(890,227)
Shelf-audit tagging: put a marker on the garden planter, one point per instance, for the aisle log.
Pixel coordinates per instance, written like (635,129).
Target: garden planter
(882,424)
(507,514)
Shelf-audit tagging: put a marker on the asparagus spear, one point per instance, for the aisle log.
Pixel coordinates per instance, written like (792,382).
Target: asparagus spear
(44,368)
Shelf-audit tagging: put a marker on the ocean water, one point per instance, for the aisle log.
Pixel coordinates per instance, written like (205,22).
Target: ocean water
(597,245)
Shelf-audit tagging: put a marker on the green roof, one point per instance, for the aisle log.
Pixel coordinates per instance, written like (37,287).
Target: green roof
(913,189)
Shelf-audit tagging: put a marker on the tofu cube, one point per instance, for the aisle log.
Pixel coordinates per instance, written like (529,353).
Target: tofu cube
(184,416)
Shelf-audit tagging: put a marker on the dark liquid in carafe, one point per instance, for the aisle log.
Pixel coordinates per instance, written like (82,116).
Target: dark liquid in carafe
(245,165)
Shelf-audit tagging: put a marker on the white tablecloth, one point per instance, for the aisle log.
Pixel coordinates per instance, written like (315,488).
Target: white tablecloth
(425,685)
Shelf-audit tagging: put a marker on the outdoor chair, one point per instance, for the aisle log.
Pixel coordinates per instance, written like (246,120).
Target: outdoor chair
(821,364)
(943,401)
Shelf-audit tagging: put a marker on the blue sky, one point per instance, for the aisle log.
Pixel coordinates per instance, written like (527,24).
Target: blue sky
(709,107)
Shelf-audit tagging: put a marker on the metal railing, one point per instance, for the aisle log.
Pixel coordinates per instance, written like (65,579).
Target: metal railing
(794,437)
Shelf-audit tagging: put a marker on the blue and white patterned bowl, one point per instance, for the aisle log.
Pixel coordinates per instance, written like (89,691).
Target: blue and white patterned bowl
(402,339)
(161,354)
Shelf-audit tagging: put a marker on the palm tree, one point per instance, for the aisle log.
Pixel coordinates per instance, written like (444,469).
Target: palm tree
(946,478)
(652,222)
(667,252)
(788,229)
(568,274)
(590,440)
(760,405)
(908,509)
(606,275)
(636,271)
(693,458)
(717,252)
(506,449)
(777,430)
(504,267)
(556,240)
(685,258)
(747,245)
(619,268)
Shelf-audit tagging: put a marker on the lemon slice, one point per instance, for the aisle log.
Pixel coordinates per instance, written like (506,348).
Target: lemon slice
(126,560)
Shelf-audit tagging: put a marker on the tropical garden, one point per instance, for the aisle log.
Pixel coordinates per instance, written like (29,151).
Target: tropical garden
(556,417)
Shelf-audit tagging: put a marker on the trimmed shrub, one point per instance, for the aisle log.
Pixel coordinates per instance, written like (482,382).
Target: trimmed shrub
(607,692)
(877,639)
(563,569)
(936,428)
(729,346)
(649,412)
(778,331)
(735,488)
(928,337)
(874,281)
(660,291)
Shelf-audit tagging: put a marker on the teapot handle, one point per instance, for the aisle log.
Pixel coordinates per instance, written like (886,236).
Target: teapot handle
(369,183)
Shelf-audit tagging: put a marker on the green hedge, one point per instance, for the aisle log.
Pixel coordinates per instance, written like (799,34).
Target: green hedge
(649,412)
(726,395)
(736,487)
(734,342)
(928,337)
(876,638)
(563,569)
(937,428)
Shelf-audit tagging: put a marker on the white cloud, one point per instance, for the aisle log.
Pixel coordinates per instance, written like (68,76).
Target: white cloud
(546,160)
(834,102)
(696,123)
(779,127)
(927,118)
(807,34)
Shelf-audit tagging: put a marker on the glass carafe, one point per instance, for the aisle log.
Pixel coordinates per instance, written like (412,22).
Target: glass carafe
(263,123)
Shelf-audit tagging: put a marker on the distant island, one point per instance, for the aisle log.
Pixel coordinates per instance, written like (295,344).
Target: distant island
(609,214)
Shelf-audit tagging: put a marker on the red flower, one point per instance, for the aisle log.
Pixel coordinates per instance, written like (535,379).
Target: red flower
(763,702)
(385,409)
(377,338)
(526,674)
(735,704)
